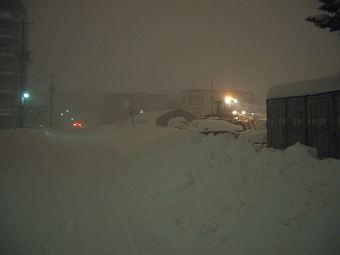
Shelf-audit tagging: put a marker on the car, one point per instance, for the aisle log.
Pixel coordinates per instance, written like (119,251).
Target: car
(215,126)
(77,124)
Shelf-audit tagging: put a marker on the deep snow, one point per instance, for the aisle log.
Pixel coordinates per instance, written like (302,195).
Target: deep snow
(150,190)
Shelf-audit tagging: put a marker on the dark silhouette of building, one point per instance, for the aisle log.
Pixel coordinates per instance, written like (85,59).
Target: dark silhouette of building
(307,112)
(13,62)
(119,106)
(202,101)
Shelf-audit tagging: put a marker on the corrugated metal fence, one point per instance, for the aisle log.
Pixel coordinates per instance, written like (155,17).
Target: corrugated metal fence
(311,120)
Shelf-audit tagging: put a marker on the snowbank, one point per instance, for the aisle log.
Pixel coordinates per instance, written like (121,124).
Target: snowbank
(163,191)
(256,136)
(216,195)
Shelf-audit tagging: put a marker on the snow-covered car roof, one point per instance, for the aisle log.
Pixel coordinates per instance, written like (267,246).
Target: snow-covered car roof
(214,125)
(308,87)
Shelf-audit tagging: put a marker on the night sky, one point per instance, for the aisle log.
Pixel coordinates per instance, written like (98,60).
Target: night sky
(162,46)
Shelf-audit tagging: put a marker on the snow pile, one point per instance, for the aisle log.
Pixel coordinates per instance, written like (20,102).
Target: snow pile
(178,122)
(255,136)
(149,190)
(16,143)
(215,195)
(211,125)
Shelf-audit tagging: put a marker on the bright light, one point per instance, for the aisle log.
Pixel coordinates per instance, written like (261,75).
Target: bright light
(67,111)
(61,114)
(141,111)
(228,99)
(77,124)
(234,112)
(243,112)
(71,118)
(24,96)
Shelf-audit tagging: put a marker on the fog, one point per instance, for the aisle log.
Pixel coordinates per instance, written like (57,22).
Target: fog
(142,127)
(162,46)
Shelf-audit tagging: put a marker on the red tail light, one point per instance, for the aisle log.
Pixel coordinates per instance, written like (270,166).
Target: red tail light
(77,124)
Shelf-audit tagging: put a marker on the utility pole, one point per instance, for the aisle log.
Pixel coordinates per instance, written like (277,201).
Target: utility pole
(52,90)
(212,96)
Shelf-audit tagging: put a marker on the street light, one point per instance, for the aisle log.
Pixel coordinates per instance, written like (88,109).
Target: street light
(24,96)
(229,100)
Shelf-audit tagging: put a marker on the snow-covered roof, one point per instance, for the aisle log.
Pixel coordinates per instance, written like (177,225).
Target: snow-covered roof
(302,88)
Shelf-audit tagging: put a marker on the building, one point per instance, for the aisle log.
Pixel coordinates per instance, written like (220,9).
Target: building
(119,106)
(202,101)
(307,112)
(13,62)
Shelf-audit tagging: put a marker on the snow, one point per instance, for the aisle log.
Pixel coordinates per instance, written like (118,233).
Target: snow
(302,88)
(152,190)
(178,122)
(214,125)
(255,136)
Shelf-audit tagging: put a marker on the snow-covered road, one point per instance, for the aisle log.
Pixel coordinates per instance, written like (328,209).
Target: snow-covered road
(70,194)
(150,190)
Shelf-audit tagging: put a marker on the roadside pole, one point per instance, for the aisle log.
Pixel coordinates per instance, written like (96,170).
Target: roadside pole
(131,116)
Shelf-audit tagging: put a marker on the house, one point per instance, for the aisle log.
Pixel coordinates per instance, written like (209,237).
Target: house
(307,112)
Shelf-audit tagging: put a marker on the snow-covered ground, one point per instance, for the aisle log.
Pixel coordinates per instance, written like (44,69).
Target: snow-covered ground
(151,190)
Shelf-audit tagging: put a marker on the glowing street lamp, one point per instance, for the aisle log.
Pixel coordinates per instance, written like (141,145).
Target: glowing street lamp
(228,100)
(24,96)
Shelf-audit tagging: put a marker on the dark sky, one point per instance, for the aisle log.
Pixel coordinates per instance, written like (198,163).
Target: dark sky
(161,46)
